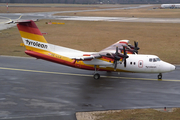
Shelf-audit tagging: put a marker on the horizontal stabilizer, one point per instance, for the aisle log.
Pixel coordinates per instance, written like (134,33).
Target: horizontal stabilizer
(25,21)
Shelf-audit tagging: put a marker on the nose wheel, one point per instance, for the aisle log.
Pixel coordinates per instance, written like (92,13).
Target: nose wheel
(96,76)
(160,76)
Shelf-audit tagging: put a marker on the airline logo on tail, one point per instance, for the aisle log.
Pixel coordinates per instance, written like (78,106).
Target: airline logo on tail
(35,44)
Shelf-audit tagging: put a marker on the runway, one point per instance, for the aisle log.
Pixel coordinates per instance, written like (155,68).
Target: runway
(50,15)
(120,19)
(37,89)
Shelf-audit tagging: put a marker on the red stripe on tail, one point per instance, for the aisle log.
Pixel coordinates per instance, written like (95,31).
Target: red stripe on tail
(29,27)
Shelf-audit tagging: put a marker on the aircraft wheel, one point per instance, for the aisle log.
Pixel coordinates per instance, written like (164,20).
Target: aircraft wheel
(160,76)
(96,76)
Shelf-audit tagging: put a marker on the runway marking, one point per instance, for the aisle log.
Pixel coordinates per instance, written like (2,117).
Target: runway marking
(37,71)
(17,57)
(83,75)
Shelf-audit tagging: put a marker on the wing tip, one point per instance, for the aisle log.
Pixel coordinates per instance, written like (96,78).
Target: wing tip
(123,41)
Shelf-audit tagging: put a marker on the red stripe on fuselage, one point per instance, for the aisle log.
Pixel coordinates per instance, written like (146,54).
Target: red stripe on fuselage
(60,61)
(29,27)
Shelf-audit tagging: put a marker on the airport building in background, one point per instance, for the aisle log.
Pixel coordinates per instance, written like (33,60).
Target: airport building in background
(94,1)
(171,6)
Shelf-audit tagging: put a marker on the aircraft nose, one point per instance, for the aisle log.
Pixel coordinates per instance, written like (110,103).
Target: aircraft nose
(172,67)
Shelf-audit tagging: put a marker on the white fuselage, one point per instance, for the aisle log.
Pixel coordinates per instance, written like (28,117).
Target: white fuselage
(146,64)
(139,64)
(135,62)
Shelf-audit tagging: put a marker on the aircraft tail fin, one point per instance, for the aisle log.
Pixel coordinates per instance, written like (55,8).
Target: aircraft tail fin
(31,36)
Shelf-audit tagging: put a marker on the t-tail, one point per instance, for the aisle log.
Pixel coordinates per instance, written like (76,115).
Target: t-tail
(32,38)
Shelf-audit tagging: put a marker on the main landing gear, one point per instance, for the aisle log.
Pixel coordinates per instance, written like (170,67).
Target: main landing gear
(160,76)
(96,75)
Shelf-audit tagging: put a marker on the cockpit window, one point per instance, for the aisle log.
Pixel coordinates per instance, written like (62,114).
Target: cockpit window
(150,59)
(158,59)
(154,59)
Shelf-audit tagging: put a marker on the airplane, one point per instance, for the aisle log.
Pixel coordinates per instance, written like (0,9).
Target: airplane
(10,20)
(119,57)
(171,6)
(13,21)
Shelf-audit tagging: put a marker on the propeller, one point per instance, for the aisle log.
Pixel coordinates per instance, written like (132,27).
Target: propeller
(116,58)
(125,56)
(136,48)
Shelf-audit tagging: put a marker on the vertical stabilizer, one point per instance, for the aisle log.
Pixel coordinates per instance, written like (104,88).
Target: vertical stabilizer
(31,36)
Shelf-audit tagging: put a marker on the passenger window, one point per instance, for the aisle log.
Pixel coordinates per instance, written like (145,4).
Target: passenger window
(131,63)
(134,63)
(150,60)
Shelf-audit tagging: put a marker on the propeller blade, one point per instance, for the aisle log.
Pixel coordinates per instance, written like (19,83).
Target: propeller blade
(116,58)
(125,63)
(136,48)
(116,50)
(115,65)
(124,50)
(137,44)
(125,56)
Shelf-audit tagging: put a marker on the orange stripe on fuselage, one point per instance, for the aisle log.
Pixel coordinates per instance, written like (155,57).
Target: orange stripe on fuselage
(34,37)
(36,49)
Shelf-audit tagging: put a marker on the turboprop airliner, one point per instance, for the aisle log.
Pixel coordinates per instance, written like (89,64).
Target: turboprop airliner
(119,57)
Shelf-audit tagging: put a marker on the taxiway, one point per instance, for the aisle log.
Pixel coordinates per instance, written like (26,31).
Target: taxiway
(32,89)
(36,89)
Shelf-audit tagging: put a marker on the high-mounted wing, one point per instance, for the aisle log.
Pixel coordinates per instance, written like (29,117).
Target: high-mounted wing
(119,44)
(116,52)
(130,49)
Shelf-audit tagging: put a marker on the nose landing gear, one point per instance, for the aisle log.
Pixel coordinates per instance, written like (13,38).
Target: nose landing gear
(96,75)
(160,76)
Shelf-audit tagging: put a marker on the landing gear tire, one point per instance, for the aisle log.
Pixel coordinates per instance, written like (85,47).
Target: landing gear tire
(96,76)
(160,76)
